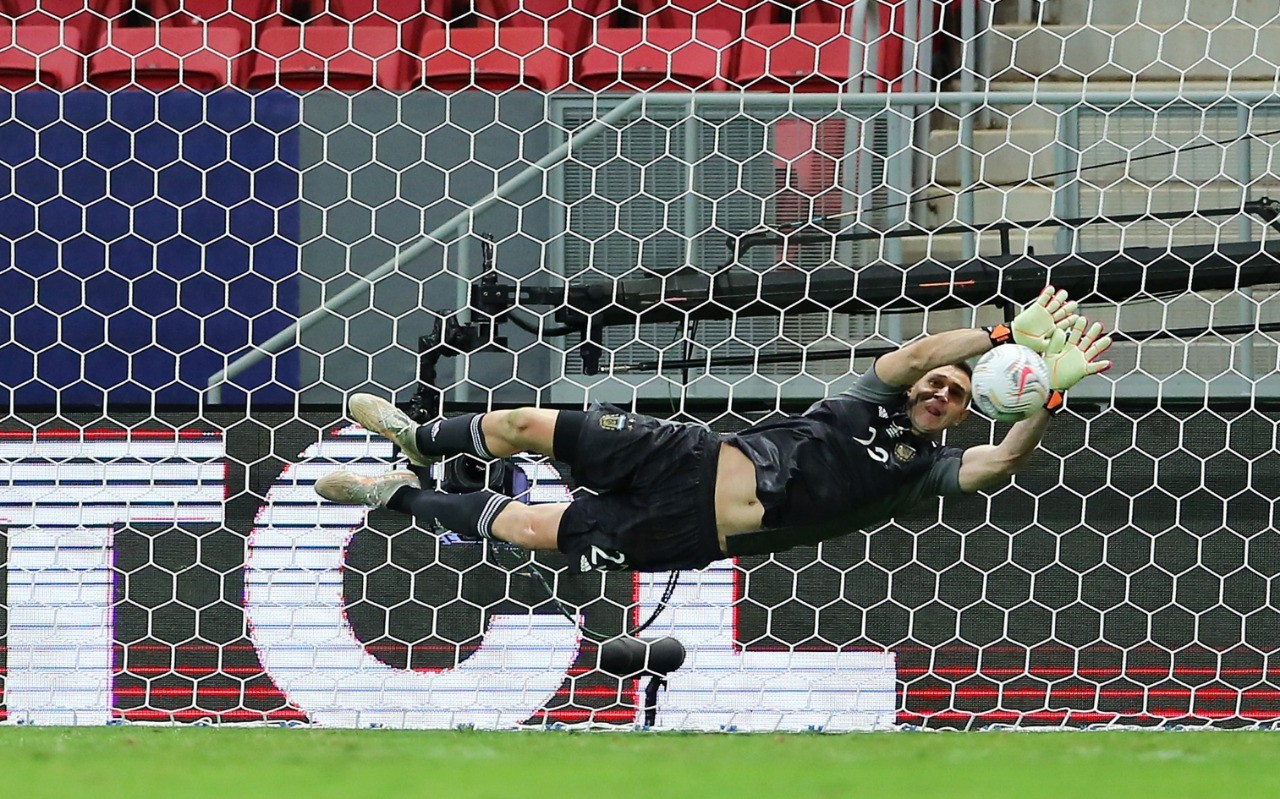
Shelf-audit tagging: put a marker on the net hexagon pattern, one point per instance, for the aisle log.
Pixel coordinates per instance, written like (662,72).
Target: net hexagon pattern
(225,216)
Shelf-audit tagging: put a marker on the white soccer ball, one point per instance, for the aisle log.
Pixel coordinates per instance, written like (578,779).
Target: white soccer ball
(1010,382)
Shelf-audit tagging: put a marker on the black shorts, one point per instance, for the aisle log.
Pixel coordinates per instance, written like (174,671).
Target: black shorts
(656,506)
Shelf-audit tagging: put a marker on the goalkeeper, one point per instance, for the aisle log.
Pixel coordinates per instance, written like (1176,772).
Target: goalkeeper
(679,495)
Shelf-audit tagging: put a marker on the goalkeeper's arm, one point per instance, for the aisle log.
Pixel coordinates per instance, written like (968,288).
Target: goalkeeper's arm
(1034,328)
(989,464)
(1071,356)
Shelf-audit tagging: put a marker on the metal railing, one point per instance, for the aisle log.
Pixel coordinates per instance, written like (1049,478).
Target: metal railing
(292,334)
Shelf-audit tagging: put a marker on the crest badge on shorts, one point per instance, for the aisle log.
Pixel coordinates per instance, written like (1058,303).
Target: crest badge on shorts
(615,421)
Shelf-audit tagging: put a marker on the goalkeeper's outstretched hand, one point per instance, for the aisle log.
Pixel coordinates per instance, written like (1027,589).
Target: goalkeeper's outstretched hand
(1051,312)
(1073,353)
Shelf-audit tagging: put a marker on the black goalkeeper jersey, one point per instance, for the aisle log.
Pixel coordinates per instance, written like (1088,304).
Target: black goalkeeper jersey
(846,463)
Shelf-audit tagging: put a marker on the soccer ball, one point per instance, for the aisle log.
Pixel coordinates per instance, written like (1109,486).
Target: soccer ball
(1010,382)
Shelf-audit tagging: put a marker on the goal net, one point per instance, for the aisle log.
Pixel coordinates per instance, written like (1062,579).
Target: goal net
(223,218)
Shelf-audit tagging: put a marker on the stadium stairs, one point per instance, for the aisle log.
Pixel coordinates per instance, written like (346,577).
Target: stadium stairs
(1121,45)
(1126,46)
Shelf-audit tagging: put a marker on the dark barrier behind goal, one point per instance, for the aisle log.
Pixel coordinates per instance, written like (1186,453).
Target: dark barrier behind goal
(1126,577)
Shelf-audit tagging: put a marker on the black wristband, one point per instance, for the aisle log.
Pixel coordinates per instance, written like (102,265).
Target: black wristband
(999,334)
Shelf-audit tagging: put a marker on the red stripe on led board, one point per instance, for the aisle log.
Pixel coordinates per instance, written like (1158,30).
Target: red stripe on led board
(104,434)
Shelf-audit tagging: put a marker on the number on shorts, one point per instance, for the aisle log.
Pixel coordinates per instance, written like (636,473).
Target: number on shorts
(605,560)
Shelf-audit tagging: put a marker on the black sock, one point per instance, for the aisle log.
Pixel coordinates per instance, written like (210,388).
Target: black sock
(468,515)
(453,436)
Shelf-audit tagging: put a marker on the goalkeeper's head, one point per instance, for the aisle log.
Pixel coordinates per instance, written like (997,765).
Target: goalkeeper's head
(940,399)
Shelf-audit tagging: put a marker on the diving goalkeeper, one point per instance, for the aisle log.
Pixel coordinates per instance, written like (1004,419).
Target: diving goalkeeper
(679,495)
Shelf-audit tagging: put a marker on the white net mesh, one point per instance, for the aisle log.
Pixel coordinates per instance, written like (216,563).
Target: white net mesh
(225,217)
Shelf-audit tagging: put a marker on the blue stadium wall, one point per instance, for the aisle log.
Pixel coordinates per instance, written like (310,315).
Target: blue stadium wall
(152,239)
(147,237)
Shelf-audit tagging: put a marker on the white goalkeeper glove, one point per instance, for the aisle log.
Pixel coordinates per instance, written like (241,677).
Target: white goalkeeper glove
(1034,327)
(1073,355)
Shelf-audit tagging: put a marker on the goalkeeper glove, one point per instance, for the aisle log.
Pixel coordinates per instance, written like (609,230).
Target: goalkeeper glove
(1035,326)
(1072,356)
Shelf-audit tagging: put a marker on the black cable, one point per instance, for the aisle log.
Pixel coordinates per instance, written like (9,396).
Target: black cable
(1033,179)
(532,568)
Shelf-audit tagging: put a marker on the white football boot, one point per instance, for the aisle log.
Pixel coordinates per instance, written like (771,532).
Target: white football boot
(379,416)
(348,488)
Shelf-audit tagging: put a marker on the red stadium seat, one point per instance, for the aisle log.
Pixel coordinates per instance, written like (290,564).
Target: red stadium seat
(410,17)
(637,59)
(886,24)
(576,20)
(413,17)
(732,16)
(404,20)
(86,17)
(342,57)
(242,15)
(39,55)
(831,11)
(161,57)
(809,57)
(494,59)
(246,17)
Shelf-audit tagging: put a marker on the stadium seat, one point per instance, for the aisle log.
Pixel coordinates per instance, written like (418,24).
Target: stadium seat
(885,27)
(808,57)
(731,16)
(830,11)
(405,21)
(410,17)
(637,59)
(242,15)
(246,17)
(494,58)
(39,55)
(342,57)
(86,17)
(576,20)
(413,17)
(161,57)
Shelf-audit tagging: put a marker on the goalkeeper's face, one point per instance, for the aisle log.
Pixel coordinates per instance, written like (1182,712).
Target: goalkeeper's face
(939,400)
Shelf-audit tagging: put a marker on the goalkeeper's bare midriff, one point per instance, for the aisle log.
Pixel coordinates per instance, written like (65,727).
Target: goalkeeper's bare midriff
(738,509)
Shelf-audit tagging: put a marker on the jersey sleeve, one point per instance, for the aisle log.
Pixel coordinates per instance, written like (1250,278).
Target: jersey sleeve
(943,477)
(867,390)
(871,388)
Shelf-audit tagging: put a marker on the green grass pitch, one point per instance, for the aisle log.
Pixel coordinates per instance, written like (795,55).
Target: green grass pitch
(248,763)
